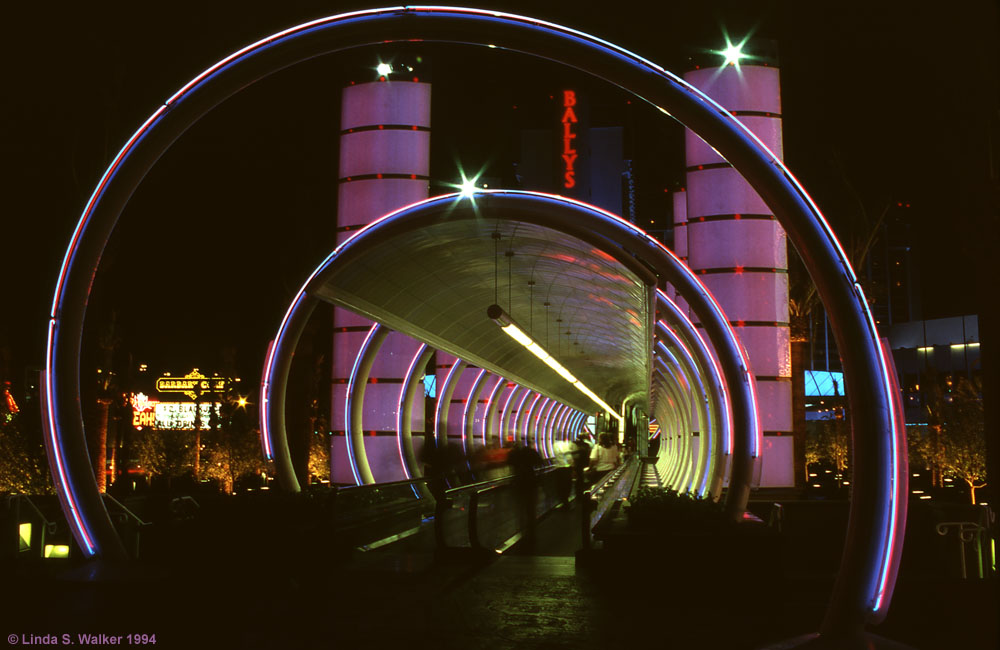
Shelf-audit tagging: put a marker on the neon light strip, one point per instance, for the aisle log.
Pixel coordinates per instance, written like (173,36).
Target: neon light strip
(706,447)
(467,432)
(710,460)
(665,417)
(667,387)
(553,422)
(445,403)
(399,409)
(676,448)
(530,419)
(487,416)
(265,391)
(726,407)
(546,431)
(682,378)
(88,209)
(348,432)
(560,422)
(505,414)
(80,531)
(570,421)
(567,421)
(269,368)
(888,560)
(520,414)
(682,408)
(672,415)
(550,423)
(567,427)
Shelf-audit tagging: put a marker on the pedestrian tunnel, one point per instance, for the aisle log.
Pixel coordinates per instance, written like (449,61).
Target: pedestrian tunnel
(579,283)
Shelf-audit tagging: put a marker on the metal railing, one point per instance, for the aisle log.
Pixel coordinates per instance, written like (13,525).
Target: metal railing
(603,495)
(128,523)
(503,492)
(48,527)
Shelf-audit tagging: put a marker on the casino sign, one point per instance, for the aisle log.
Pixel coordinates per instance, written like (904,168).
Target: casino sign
(192,384)
(166,414)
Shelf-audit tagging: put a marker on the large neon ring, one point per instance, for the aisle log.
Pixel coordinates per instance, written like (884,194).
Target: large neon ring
(874,538)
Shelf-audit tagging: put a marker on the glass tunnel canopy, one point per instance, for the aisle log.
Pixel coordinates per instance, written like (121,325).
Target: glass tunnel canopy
(435,284)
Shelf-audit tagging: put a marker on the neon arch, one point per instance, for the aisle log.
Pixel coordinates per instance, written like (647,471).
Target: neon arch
(874,539)
(607,233)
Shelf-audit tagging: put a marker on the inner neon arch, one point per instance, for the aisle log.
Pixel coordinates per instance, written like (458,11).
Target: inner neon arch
(874,537)
(609,235)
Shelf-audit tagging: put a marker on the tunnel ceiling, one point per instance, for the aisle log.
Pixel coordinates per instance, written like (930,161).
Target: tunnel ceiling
(435,283)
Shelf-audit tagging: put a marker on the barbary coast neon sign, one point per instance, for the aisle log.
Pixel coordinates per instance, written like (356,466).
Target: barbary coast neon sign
(191,384)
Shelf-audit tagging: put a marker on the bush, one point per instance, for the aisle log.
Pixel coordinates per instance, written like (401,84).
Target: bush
(666,508)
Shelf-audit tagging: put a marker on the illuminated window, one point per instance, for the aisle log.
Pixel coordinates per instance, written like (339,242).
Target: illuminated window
(430,386)
(24,537)
(56,550)
(820,383)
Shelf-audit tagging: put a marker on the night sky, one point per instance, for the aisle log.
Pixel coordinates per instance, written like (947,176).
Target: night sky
(895,103)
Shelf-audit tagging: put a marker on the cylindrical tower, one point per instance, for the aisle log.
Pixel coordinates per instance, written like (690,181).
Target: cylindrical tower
(384,165)
(740,250)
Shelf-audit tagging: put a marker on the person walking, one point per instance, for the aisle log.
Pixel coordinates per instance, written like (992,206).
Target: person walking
(603,458)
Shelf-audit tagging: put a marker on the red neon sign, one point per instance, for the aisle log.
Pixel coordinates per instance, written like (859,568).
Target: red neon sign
(568,152)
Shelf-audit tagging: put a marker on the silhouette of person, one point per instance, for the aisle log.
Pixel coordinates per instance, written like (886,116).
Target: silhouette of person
(523,462)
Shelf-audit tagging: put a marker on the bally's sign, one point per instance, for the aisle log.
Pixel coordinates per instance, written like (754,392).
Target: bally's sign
(192,384)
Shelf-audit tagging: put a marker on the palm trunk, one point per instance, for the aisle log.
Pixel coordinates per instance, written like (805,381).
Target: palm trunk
(99,452)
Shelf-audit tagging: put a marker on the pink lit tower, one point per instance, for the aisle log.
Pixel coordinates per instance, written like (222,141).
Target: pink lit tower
(738,248)
(384,165)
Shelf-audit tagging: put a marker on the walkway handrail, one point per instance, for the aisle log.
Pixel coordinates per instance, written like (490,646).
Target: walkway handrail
(129,515)
(50,526)
(606,492)
(374,486)
(474,501)
(967,532)
(475,490)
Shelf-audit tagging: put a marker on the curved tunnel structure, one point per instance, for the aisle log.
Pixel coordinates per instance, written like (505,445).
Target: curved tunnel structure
(584,255)
(874,537)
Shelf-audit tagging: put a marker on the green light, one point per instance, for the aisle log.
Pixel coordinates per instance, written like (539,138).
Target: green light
(56,551)
(733,54)
(468,188)
(24,532)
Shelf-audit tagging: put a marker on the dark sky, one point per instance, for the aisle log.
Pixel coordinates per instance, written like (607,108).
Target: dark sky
(896,102)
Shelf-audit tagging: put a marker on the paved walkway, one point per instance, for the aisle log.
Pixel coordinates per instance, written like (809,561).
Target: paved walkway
(400,597)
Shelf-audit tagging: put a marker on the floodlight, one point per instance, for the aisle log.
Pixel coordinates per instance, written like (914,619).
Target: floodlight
(468,187)
(733,54)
